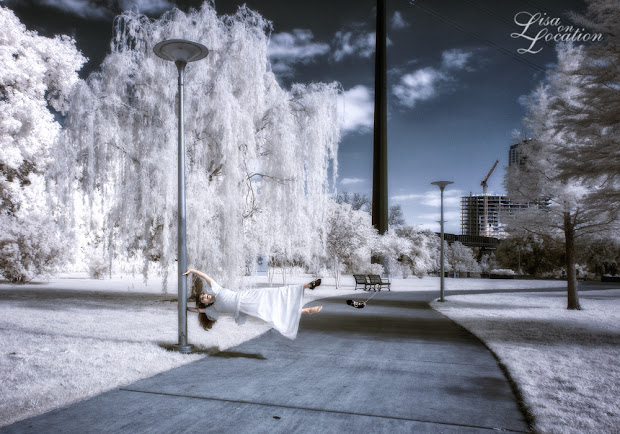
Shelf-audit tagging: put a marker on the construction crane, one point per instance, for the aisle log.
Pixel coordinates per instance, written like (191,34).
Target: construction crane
(485,203)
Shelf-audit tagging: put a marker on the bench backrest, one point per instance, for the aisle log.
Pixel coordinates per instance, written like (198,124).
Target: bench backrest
(359,278)
(374,278)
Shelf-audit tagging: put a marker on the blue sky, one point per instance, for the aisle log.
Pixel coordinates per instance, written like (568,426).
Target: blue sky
(455,79)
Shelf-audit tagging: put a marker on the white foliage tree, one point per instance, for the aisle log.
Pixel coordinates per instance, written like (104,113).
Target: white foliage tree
(568,213)
(37,75)
(258,156)
(423,255)
(592,118)
(351,238)
(488,262)
(392,247)
(461,259)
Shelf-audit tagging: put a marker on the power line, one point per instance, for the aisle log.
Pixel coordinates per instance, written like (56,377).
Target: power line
(541,8)
(501,18)
(476,36)
(551,13)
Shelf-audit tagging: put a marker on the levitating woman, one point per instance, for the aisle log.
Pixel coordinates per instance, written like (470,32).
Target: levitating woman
(280,307)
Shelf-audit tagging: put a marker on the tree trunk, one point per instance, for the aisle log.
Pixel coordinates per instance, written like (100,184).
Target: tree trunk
(270,273)
(571,278)
(337,272)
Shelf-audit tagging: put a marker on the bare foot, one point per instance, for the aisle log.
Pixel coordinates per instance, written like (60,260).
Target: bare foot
(311,310)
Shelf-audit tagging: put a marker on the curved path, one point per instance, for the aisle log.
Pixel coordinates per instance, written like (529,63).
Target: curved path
(394,366)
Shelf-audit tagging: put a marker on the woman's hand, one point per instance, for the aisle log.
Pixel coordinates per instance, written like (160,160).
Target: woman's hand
(199,274)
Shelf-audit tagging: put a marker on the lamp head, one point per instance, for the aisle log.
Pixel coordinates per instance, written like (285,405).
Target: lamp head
(180,50)
(442,184)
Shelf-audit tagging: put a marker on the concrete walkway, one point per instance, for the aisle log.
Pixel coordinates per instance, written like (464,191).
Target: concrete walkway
(394,366)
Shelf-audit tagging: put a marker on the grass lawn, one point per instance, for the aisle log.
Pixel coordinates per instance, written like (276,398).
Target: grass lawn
(71,339)
(565,363)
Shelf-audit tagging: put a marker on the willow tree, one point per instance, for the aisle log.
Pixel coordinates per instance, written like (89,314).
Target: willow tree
(258,156)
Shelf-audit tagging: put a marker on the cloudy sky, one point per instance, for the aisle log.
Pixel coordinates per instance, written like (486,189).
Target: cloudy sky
(457,72)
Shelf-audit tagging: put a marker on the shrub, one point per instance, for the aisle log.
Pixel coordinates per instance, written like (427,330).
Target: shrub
(30,248)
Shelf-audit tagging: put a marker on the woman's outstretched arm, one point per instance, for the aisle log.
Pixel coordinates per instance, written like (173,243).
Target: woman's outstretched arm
(195,309)
(198,273)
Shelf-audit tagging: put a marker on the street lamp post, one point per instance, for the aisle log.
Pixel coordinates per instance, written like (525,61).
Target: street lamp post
(442,186)
(181,52)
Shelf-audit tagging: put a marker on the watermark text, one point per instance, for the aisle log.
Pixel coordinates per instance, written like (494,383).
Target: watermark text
(539,27)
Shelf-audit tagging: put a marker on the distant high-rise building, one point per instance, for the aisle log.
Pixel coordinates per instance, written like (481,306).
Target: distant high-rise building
(515,154)
(499,207)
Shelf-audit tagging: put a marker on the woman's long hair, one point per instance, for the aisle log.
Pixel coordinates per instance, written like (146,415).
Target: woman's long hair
(203,319)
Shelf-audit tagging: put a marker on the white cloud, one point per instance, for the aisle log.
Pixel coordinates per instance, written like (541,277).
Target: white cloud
(451,216)
(417,86)
(425,83)
(349,181)
(286,49)
(455,58)
(82,8)
(524,100)
(406,197)
(353,43)
(295,46)
(432,197)
(452,221)
(398,22)
(282,69)
(101,9)
(424,208)
(428,226)
(147,6)
(356,109)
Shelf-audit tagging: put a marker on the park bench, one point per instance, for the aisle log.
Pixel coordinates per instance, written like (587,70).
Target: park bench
(360,280)
(377,282)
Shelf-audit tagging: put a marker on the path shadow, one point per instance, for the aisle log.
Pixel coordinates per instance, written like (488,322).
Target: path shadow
(215,352)
(209,351)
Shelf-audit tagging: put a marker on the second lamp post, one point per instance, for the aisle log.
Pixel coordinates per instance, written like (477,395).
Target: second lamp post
(442,186)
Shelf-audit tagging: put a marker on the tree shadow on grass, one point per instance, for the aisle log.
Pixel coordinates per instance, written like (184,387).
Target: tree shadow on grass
(61,299)
(483,306)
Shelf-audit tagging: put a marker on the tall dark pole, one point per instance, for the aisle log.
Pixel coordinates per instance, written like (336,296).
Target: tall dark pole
(379,164)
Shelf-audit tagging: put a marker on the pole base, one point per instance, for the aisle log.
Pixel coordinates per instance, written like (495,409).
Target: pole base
(183,349)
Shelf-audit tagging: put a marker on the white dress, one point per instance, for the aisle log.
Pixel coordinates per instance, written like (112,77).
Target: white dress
(280,307)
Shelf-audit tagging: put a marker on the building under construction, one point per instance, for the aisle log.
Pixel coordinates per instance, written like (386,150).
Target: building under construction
(482,214)
(473,216)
